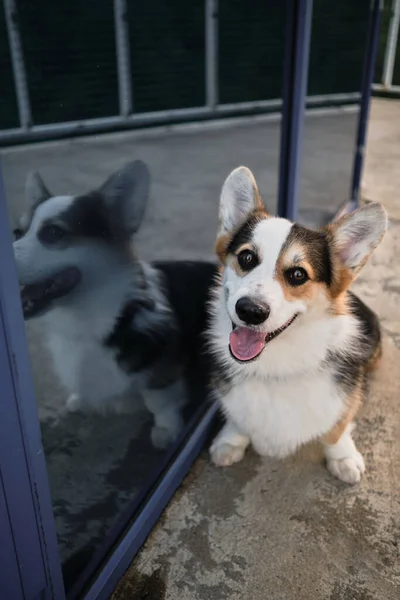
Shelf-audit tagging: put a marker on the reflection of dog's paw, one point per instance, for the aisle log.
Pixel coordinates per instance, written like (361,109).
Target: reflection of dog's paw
(74,403)
(348,469)
(162,437)
(225,455)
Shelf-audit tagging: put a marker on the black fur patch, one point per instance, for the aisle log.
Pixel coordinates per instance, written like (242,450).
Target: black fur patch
(176,343)
(350,366)
(370,327)
(244,234)
(140,350)
(316,248)
(87,217)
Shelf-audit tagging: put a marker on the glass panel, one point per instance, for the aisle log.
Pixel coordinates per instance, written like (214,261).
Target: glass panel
(257,58)
(70,59)
(336,60)
(167,54)
(115,338)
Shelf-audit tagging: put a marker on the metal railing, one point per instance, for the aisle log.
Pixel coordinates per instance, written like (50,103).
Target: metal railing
(386,83)
(127,118)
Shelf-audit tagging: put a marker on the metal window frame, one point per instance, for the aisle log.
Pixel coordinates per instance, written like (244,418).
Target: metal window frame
(24,488)
(297,51)
(371,47)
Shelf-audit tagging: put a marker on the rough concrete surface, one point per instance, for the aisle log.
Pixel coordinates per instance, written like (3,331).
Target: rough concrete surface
(287,530)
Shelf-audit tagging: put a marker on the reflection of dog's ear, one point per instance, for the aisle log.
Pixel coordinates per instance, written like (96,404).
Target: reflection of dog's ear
(355,236)
(35,190)
(126,194)
(239,198)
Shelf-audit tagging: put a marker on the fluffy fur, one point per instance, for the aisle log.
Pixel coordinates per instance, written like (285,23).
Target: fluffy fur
(292,344)
(116,327)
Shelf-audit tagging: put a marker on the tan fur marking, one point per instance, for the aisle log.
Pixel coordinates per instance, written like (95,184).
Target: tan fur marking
(309,290)
(234,260)
(223,240)
(375,359)
(353,402)
(221,246)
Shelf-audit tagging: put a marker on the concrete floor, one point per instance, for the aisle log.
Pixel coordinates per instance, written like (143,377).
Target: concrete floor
(268,530)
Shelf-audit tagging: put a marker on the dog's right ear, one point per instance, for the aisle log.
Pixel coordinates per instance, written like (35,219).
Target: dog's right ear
(125,195)
(36,191)
(239,198)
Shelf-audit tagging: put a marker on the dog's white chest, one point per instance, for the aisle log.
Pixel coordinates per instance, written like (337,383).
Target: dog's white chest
(84,365)
(280,416)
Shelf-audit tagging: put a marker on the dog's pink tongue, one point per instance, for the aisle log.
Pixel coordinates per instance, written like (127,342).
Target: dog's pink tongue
(245,343)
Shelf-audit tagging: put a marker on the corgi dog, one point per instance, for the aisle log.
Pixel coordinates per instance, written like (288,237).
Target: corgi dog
(292,344)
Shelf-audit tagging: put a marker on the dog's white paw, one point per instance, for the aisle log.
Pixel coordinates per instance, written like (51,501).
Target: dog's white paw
(348,469)
(224,454)
(162,437)
(74,403)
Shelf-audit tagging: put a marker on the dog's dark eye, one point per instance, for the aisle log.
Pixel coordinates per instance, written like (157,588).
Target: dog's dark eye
(17,233)
(51,234)
(247,260)
(296,276)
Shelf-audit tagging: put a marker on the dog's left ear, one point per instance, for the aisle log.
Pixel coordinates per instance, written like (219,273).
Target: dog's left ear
(126,194)
(357,235)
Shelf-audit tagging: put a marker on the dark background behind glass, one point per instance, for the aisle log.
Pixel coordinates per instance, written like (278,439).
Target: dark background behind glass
(69,52)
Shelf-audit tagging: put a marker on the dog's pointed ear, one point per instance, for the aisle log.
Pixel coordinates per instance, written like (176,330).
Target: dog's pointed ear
(125,194)
(239,198)
(36,191)
(355,236)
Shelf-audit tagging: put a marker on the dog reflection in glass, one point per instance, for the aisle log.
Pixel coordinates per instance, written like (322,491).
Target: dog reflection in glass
(114,323)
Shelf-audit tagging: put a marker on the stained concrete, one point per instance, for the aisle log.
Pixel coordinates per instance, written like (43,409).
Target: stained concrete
(269,530)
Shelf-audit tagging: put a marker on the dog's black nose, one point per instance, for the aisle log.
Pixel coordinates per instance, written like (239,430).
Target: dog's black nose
(251,312)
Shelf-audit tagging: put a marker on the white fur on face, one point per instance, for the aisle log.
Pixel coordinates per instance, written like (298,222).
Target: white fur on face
(34,260)
(260,283)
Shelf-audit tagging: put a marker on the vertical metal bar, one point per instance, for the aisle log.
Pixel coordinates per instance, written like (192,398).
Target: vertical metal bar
(123,58)
(298,36)
(22,462)
(18,64)
(211,44)
(366,87)
(391,45)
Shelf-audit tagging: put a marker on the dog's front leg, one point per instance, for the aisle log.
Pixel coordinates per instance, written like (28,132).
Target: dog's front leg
(343,459)
(165,405)
(74,403)
(229,446)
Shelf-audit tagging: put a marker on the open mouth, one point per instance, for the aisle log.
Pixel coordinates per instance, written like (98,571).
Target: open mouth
(37,297)
(246,344)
